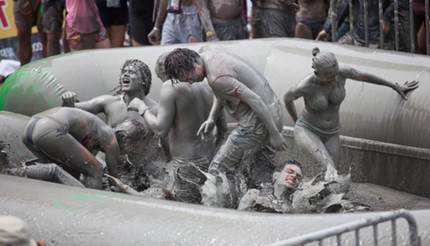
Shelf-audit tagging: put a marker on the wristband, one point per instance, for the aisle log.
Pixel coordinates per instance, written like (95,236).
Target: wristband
(156,28)
(210,34)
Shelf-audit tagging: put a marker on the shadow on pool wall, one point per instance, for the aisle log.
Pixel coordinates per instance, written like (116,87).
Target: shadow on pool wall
(388,139)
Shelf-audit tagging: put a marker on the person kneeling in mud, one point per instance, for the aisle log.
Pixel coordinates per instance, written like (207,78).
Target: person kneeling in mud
(275,197)
(69,137)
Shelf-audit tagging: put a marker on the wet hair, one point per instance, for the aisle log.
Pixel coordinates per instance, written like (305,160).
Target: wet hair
(293,162)
(144,72)
(160,68)
(131,129)
(180,62)
(324,61)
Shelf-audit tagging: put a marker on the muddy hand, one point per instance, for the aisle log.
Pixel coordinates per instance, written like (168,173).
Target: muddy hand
(278,142)
(116,182)
(406,88)
(205,128)
(69,99)
(137,105)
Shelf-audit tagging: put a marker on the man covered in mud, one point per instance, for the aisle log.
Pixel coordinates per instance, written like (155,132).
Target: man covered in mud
(134,82)
(69,137)
(276,196)
(248,97)
(274,18)
(182,108)
(140,153)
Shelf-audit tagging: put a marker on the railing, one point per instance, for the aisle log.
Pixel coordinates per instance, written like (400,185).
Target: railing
(412,35)
(337,231)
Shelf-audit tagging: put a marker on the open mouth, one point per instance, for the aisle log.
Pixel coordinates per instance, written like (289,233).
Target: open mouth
(125,81)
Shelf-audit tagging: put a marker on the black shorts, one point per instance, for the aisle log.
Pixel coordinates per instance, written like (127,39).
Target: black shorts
(112,16)
(141,20)
(52,18)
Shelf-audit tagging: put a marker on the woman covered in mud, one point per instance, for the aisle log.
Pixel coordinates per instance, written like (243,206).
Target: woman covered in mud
(316,131)
(310,18)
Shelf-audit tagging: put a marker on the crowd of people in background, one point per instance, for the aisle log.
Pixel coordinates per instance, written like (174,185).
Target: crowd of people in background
(87,24)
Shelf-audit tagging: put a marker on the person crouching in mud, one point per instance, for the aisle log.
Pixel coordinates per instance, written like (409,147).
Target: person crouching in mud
(248,97)
(275,197)
(69,137)
(182,109)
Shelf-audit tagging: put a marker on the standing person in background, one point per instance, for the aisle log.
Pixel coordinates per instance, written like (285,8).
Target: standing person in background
(182,22)
(227,19)
(274,18)
(311,18)
(28,14)
(141,21)
(52,20)
(114,15)
(83,26)
(420,27)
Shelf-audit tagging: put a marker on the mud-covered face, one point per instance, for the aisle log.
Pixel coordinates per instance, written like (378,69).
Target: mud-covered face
(290,176)
(131,80)
(196,75)
(325,76)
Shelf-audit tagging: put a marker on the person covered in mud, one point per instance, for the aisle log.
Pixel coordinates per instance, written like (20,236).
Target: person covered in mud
(276,196)
(69,137)
(274,18)
(316,131)
(248,97)
(134,82)
(182,109)
(310,18)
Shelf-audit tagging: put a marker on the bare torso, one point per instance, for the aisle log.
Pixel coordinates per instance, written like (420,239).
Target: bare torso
(222,10)
(85,127)
(114,107)
(193,104)
(221,64)
(315,9)
(322,102)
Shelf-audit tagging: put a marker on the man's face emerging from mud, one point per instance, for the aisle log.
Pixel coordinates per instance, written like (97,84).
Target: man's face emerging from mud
(290,176)
(198,74)
(131,79)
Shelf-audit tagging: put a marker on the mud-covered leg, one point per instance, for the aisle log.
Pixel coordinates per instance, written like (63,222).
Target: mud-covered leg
(333,148)
(47,172)
(66,150)
(311,144)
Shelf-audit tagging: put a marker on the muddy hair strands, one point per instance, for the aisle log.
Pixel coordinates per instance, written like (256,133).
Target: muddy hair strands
(293,162)
(142,69)
(324,61)
(180,62)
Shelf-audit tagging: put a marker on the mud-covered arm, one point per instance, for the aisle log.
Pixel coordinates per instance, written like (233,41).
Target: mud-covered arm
(95,105)
(161,122)
(292,94)
(207,126)
(205,19)
(110,147)
(123,187)
(351,73)
(236,92)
